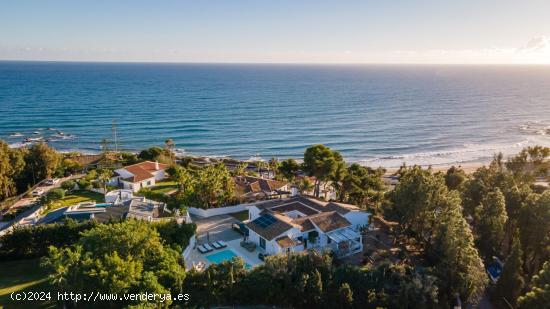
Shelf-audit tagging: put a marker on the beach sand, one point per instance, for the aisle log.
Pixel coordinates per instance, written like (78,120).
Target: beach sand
(469,168)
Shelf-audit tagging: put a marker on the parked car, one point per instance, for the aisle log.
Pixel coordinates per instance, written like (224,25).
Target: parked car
(51,182)
(37,192)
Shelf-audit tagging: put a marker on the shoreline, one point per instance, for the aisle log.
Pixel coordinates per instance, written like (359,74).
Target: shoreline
(468,167)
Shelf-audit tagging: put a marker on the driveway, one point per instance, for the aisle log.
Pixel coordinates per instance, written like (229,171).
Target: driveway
(30,216)
(217,227)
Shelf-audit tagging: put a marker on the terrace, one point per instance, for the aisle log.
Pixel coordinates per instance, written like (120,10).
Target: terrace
(216,256)
(210,230)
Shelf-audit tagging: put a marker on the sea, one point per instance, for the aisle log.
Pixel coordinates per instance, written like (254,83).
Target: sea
(376,115)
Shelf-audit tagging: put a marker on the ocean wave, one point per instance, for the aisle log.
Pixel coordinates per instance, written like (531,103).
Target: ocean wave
(469,153)
(535,128)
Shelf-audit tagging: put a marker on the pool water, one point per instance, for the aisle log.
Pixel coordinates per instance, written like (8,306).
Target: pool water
(222,256)
(103,205)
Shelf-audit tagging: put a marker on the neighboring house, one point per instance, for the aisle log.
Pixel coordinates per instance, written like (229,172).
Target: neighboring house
(140,175)
(255,188)
(88,160)
(137,207)
(143,209)
(119,196)
(300,223)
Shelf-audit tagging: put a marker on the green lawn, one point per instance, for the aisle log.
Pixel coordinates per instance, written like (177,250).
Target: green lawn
(77,197)
(23,276)
(164,186)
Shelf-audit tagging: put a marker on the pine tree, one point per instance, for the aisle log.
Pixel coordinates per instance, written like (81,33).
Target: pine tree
(511,282)
(539,295)
(490,222)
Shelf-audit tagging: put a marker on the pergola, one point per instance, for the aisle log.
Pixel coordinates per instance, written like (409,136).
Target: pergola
(346,235)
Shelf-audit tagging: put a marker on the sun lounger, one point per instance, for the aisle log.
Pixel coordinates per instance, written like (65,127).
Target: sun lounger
(216,245)
(207,246)
(221,243)
(202,249)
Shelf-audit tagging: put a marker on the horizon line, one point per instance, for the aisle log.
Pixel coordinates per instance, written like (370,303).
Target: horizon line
(280,63)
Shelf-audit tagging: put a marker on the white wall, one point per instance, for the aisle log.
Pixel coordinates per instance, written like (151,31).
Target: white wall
(189,247)
(159,175)
(357,219)
(253,212)
(136,186)
(271,246)
(206,213)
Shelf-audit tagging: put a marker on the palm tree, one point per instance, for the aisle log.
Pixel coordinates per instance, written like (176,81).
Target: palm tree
(183,178)
(305,185)
(273,165)
(240,169)
(104,176)
(261,165)
(169,145)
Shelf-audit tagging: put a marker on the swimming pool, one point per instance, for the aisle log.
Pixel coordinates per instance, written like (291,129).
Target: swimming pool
(222,256)
(103,205)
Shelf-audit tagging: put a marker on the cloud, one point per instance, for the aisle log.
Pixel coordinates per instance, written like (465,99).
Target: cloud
(536,44)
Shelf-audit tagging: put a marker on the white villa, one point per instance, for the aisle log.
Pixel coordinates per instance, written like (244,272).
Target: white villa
(141,175)
(299,223)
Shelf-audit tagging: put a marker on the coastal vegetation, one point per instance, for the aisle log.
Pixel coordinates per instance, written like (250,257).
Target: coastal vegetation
(125,257)
(28,242)
(449,225)
(21,168)
(321,162)
(311,280)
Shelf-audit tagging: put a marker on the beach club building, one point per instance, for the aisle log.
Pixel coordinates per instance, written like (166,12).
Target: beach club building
(301,223)
(141,175)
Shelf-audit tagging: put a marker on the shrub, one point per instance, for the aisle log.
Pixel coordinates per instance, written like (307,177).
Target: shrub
(33,241)
(68,185)
(175,234)
(52,196)
(84,184)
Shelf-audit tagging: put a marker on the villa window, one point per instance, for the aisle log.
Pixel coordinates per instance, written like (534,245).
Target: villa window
(262,243)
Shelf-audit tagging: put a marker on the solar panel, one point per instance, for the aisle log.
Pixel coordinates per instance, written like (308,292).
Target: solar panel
(265,220)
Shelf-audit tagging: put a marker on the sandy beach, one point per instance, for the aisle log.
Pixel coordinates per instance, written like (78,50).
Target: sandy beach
(467,167)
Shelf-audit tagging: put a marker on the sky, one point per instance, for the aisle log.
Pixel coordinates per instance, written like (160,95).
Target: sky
(258,31)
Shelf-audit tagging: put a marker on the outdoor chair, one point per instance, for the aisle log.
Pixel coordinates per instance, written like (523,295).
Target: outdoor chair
(221,243)
(203,249)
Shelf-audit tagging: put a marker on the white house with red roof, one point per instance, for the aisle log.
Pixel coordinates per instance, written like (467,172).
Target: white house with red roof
(141,175)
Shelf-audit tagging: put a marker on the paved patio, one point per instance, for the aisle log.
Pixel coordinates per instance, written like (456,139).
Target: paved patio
(219,228)
(251,258)
(216,228)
